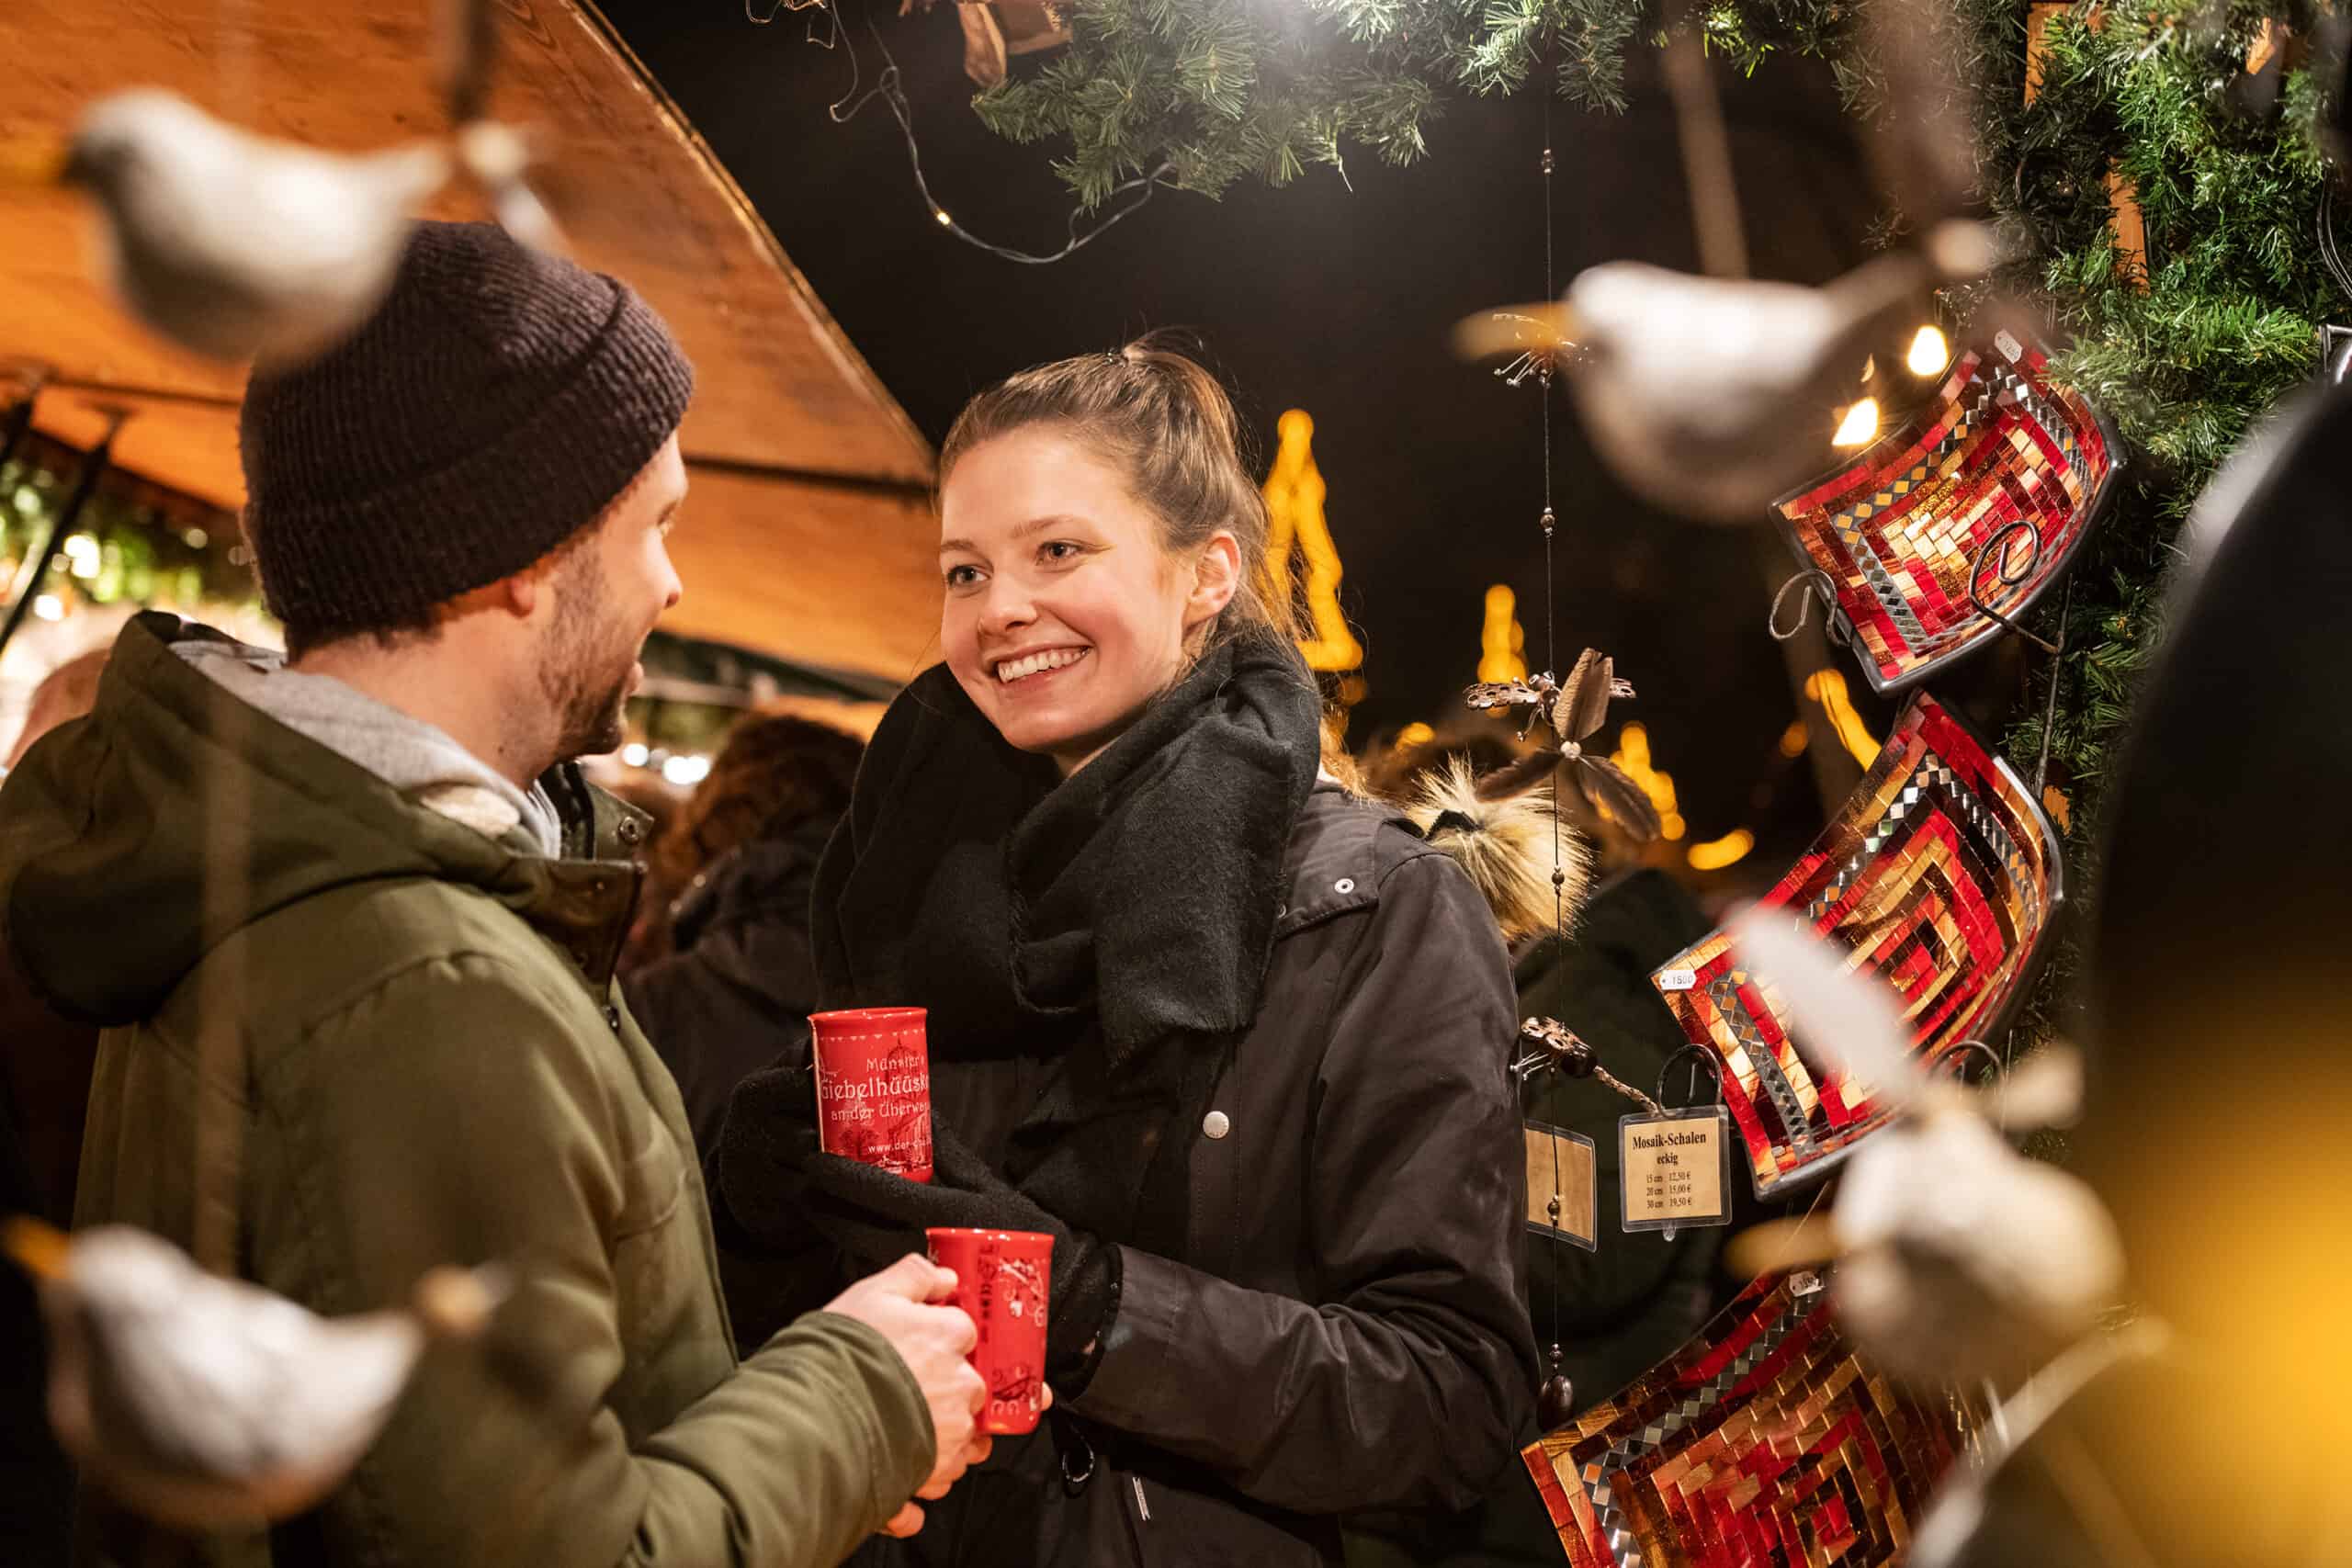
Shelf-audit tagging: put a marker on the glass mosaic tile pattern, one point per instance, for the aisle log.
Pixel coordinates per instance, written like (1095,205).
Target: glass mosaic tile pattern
(1943,873)
(1765,1442)
(1902,531)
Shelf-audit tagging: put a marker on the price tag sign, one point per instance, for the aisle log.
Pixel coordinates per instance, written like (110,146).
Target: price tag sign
(1676,979)
(1676,1168)
(1560,1186)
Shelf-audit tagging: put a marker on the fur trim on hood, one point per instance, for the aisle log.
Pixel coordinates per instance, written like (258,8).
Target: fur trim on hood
(1505,845)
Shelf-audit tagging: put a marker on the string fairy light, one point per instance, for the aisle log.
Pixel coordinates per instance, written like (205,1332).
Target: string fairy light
(887,87)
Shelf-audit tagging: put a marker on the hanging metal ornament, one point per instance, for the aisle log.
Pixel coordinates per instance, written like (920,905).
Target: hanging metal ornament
(2335,342)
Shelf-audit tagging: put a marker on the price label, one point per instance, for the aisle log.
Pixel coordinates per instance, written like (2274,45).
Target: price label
(1560,1186)
(1677,1169)
(1676,979)
(2011,349)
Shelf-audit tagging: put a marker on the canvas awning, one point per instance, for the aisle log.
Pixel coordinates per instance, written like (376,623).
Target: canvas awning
(807,535)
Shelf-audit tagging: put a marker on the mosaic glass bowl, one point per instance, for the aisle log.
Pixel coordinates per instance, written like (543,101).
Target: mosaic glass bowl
(1764,1440)
(1942,868)
(1980,499)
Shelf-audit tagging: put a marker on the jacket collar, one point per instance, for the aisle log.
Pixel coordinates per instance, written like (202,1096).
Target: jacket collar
(585,901)
(1336,859)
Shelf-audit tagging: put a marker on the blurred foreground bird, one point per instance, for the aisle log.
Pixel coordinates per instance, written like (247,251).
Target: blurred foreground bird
(203,1402)
(242,247)
(1711,396)
(237,246)
(1959,1257)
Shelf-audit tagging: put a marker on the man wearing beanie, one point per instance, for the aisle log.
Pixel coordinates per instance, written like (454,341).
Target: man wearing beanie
(348,918)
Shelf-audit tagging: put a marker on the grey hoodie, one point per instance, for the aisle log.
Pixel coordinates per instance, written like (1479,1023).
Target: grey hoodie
(423,763)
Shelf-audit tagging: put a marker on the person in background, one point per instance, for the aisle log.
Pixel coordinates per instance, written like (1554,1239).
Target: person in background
(1236,1038)
(730,880)
(349,916)
(1617,1310)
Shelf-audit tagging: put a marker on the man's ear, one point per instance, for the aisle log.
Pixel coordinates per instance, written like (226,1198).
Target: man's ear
(1216,577)
(517,595)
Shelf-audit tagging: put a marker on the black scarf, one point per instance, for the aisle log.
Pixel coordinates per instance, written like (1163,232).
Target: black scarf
(1122,919)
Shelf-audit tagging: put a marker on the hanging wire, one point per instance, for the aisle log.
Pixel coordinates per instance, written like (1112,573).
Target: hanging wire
(2329,256)
(888,88)
(1551,616)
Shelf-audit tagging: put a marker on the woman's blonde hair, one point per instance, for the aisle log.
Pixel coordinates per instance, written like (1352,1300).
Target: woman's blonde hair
(1164,420)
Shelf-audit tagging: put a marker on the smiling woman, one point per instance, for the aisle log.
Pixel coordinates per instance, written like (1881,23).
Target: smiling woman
(1096,517)
(1213,1023)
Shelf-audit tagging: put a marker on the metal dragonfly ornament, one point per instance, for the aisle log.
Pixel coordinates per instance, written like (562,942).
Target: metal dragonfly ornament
(1575,709)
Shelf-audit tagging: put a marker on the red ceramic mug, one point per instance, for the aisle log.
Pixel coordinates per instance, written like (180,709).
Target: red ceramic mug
(873,1068)
(1003,1281)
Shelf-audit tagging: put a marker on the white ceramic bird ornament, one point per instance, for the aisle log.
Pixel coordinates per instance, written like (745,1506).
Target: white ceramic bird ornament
(1712,397)
(1958,1256)
(242,247)
(238,246)
(203,1402)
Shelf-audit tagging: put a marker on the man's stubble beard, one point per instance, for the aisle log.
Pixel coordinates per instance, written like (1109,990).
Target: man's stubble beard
(584,677)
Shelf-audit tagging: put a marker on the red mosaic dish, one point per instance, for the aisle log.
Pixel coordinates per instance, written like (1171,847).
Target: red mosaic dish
(1942,868)
(1764,1440)
(1906,531)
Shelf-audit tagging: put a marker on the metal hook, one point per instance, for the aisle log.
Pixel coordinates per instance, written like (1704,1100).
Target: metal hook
(1834,624)
(1814,579)
(1999,542)
(1722,1095)
(1962,1048)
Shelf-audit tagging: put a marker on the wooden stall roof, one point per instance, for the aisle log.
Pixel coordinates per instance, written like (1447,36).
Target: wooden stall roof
(807,535)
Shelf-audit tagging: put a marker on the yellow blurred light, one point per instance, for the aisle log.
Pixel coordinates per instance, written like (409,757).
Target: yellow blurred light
(1633,754)
(1671,826)
(1828,688)
(1858,425)
(1793,738)
(1502,641)
(1930,352)
(1295,511)
(1717,853)
(1414,735)
(940,213)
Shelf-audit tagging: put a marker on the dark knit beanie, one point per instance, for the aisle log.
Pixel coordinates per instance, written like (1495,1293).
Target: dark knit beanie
(493,406)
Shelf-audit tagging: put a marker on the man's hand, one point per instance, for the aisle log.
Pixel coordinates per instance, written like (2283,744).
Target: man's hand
(934,1341)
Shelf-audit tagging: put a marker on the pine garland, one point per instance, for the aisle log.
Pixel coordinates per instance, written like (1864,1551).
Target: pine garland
(2185,358)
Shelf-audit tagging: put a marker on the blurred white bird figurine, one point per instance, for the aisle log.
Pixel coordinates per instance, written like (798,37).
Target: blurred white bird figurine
(1712,397)
(203,1402)
(1959,1258)
(237,246)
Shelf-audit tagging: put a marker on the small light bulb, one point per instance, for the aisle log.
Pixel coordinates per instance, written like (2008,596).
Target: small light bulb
(49,608)
(1859,423)
(1930,352)
(940,213)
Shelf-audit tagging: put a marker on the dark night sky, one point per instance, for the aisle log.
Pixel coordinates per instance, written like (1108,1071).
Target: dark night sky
(1337,302)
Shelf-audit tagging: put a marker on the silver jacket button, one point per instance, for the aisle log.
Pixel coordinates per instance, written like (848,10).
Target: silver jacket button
(1217,1124)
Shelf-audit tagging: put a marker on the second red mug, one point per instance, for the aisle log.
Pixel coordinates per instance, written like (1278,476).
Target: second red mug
(1003,1280)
